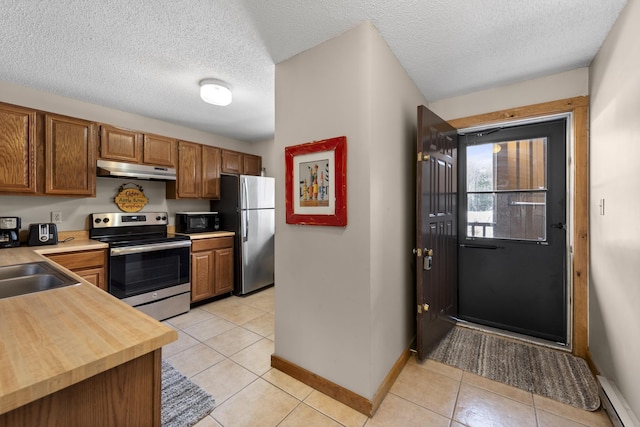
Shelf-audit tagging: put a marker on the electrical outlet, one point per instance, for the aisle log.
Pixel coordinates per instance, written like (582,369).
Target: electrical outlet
(56,217)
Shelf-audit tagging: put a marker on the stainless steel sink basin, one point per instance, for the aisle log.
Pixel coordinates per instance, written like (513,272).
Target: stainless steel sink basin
(22,279)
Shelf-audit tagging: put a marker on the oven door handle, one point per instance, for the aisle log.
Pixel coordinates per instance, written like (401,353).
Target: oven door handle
(127,250)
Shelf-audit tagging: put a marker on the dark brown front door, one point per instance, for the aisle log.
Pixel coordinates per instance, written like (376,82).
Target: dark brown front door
(436,229)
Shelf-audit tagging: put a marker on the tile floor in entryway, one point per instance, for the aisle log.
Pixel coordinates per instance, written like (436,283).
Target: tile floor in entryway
(225,347)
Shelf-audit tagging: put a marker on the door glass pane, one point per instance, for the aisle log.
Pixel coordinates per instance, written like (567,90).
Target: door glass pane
(506,190)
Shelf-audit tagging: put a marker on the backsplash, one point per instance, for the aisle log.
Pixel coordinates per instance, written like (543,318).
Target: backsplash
(75,211)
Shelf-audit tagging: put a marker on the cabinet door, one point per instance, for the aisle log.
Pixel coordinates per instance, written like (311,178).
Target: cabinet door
(17,149)
(252,165)
(231,162)
(120,144)
(210,172)
(90,265)
(159,150)
(202,275)
(70,162)
(223,270)
(95,276)
(189,170)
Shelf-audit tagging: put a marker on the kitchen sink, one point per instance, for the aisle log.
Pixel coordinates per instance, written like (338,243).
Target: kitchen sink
(22,279)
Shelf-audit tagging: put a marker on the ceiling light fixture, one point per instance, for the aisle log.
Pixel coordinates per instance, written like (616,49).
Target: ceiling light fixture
(216,92)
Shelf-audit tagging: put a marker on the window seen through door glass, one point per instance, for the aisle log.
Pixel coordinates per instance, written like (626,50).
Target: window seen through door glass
(507,190)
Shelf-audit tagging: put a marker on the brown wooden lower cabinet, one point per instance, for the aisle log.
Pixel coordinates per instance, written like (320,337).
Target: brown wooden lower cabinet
(211,267)
(90,265)
(126,395)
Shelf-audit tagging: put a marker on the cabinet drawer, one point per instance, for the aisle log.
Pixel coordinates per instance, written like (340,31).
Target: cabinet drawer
(84,259)
(214,243)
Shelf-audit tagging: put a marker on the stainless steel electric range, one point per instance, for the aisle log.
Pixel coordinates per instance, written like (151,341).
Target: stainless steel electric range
(149,268)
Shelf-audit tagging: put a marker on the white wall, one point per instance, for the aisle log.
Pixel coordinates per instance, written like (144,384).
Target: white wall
(614,292)
(544,89)
(394,102)
(322,273)
(32,98)
(75,210)
(266,149)
(343,294)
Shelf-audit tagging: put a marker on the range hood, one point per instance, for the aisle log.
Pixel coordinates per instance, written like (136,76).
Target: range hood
(131,170)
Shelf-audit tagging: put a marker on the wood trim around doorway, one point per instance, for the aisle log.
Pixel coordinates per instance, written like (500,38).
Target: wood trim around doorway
(579,106)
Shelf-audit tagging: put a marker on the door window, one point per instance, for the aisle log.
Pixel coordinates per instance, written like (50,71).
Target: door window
(507,190)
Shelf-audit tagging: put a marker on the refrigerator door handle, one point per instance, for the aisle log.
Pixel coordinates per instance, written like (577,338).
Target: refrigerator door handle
(245,207)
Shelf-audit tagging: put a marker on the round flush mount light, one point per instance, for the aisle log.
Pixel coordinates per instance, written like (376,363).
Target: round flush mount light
(216,92)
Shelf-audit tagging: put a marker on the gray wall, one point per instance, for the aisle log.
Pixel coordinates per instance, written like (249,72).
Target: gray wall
(614,292)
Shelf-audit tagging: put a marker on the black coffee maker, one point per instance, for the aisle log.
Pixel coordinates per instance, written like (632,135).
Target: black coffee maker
(9,231)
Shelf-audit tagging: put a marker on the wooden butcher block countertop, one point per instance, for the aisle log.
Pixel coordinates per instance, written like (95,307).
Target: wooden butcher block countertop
(52,339)
(211,235)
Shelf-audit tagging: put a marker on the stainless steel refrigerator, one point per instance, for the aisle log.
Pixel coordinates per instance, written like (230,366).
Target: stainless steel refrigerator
(247,207)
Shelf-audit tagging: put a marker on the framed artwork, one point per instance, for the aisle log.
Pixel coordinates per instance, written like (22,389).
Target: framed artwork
(316,182)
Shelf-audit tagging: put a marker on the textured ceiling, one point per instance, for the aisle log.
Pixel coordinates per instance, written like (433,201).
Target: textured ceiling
(147,56)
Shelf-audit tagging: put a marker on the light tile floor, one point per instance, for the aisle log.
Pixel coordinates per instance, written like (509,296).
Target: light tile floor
(225,347)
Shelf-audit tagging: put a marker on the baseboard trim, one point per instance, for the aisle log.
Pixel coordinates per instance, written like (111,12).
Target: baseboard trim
(339,393)
(388,381)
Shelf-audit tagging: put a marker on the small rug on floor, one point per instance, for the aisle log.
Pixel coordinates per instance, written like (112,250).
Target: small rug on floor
(554,374)
(183,402)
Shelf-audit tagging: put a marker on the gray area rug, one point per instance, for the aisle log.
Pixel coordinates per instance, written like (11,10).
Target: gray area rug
(183,402)
(554,374)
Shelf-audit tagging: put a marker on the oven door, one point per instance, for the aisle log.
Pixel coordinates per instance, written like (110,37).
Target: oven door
(139,274)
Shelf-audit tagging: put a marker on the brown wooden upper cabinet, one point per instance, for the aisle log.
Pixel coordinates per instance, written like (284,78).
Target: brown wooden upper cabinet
(198,172)
(43,153)
(70,162)
(17,149)
(210,172)
(234,162)
(135,147)
(159,150)
(251,165)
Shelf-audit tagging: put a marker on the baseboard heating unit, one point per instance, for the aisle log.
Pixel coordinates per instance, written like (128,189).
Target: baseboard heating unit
(617,408)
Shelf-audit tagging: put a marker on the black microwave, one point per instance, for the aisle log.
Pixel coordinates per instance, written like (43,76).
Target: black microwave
(197,222)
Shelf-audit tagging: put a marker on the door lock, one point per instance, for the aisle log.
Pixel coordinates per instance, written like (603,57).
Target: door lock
(427,261)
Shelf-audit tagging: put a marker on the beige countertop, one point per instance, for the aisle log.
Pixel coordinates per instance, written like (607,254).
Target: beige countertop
(52,339)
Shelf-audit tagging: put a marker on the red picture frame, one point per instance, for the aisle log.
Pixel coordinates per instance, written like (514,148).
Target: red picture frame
(316,182)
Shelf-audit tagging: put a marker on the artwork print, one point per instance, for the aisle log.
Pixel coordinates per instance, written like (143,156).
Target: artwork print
(316,182)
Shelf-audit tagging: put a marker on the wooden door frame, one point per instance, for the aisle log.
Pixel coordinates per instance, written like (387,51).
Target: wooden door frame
(579,107)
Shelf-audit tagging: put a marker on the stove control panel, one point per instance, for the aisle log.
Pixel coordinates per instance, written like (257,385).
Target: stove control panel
(121,219)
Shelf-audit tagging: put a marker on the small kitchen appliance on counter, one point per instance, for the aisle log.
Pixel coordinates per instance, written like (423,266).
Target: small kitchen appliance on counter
(9,231)
(197,222)
(43,234)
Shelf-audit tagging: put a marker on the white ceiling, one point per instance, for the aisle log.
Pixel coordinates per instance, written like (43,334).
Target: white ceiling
(147,56)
